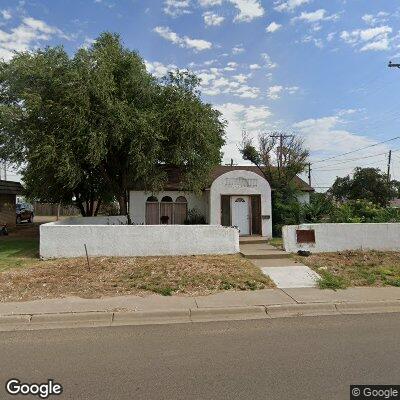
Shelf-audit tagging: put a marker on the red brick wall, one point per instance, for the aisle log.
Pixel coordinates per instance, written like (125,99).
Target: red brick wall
(7,209)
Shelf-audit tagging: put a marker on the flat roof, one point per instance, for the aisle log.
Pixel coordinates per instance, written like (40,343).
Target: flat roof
(10,187)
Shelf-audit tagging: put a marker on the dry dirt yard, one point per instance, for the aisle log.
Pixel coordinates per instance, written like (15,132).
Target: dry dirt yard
(355,268)
(24,277)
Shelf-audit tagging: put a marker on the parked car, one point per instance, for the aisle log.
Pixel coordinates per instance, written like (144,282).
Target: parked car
(24,212)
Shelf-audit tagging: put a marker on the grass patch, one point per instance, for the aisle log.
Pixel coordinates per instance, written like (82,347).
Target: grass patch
(112,276)
(276,242)
(330,281)
(355,268)
(18,252)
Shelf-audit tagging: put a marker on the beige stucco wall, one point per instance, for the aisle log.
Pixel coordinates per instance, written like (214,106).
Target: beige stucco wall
(137,203)
(241,182)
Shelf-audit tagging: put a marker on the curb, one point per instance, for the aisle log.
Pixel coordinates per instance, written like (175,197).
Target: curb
(300,310)
(368,307)
(108,319)
(226,314)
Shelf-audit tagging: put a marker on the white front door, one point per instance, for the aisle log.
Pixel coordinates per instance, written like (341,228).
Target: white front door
(240,214)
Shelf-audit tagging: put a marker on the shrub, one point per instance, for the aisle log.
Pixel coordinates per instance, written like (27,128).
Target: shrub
(195,218)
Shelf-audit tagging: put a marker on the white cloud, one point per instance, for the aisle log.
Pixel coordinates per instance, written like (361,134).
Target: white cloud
(6,14)
(290,5)
(159,69)
(186,42)
(29,33)
(214,81)
(248,10)
(370,39)
(326,137)
(330,36)
(210,3)
(231,66)
(238,49)
(311,39)
(254,66)
(275,92)
(315,16)
(379,18)
(87,42)
(268,62)
(212,19)
(174,8)
(252,119)
(273,27)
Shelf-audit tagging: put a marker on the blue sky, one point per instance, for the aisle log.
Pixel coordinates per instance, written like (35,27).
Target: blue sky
(314,67)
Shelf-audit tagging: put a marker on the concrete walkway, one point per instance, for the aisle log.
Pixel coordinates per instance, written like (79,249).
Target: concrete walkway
(277,264)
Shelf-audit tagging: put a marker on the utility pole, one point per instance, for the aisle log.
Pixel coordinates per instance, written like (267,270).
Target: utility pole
(280,136)
(309,174)
(5,170)
(389,162)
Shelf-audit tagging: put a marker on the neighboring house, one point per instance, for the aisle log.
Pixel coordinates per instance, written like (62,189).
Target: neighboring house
(237,196)
(8,193)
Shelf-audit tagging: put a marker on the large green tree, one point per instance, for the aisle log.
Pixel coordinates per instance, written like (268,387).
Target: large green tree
(88,127)
(366,184)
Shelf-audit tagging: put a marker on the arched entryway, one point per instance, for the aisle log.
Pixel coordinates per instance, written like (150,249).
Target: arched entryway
(166,211)
(180,210)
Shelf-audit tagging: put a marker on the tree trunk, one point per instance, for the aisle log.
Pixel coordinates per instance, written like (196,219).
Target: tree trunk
(96,211)
(123,209)
(81,208)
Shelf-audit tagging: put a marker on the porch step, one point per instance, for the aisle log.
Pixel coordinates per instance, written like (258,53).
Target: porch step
(264,256)
(253,241)
(262,250)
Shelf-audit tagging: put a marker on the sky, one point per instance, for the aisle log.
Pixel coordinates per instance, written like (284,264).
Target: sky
(316,68)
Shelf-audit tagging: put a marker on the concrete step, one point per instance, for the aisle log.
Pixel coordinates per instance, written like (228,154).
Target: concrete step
(264,256)
(257,240)
(261,251)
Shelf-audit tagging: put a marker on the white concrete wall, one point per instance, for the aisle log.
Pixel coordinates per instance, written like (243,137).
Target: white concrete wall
(339,237)
(241,182)
(58,240)
(137,203)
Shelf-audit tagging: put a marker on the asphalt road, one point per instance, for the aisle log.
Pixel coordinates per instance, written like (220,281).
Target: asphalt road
(293,358)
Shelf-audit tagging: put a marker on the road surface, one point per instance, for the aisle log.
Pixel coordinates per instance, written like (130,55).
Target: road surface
(289,358)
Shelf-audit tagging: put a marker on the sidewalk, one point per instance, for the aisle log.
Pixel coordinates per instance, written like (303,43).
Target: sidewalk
(277,264)
(155,309)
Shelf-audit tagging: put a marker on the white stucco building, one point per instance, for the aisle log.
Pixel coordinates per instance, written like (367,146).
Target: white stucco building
(237,196)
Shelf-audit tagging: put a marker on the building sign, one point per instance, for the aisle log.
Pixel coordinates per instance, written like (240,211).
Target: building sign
(240,182)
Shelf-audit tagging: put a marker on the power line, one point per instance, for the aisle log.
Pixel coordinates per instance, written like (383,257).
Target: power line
(355,159)
(344,168)
(354,151)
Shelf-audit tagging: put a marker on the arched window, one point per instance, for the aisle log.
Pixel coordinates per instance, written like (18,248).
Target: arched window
(180,210)
(152,211)
(166,199)
(239,200)
(152,199)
